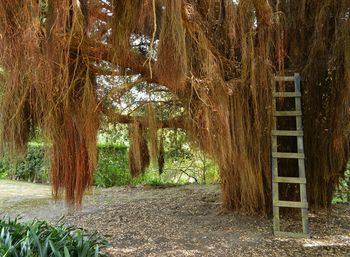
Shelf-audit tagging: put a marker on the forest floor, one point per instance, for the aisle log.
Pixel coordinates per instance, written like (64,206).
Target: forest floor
(178,221)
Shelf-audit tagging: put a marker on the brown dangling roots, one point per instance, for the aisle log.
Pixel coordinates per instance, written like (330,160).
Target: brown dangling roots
(208,72)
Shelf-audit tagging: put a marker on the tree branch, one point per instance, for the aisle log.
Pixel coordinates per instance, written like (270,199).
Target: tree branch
(126,58)
(127,119)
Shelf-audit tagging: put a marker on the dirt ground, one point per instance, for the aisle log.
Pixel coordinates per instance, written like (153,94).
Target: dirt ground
(178,221)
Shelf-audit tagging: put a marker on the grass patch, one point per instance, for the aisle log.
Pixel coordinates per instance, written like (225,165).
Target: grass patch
(26,204)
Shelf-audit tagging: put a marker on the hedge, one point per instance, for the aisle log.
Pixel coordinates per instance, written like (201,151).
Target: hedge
(112,168)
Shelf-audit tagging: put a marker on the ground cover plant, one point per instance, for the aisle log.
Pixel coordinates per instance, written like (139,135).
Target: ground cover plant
(38,238)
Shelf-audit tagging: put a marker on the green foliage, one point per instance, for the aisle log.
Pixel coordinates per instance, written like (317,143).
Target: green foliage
(183,164)
(3,171)
(38,238)
(5,167)
(342,194)
(113,133)
(30,168)
(112,167)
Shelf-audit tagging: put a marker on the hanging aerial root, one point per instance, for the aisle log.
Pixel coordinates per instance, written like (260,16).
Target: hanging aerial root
(161,156)
(172,55)
(138,156)
(20,87)
(152,134)
(325,90)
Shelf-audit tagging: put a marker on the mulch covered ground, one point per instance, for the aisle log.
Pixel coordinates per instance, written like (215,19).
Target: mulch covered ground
(187,221)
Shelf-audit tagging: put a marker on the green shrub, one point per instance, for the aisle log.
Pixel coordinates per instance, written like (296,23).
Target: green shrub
(342,194)
(112,167)
(182,165)
(3,171)
(38,238)
(30,168)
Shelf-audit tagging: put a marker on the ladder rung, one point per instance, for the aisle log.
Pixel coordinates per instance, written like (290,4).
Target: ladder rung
(288,155)
(287,94)
(289,180)
(284,78)
(291,234)
(290,204)
(296,133)
(287,113)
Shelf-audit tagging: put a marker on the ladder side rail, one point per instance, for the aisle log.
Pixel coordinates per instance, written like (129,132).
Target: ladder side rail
(301,162)
(275,191)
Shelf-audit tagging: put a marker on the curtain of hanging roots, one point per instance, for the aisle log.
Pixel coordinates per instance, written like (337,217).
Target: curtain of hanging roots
(215,57)
(20,88)
(74,120)
(317,45)
(138,156)
(50,85)
(224,111)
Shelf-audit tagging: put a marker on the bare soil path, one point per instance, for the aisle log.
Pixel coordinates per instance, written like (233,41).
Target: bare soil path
(177,221)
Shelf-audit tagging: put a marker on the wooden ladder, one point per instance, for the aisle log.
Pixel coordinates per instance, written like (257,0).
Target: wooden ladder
(276,179)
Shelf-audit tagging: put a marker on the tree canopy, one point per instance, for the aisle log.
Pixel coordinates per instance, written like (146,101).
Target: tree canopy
(201,66)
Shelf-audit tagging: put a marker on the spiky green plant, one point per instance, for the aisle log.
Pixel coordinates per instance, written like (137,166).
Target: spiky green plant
(38,238)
